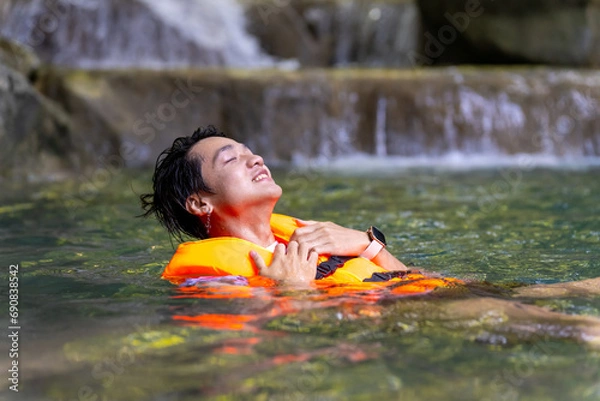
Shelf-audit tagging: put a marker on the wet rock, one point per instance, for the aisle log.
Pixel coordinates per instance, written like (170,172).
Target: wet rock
(540,31)
(260,33)
(337,33)
(130,33)
(130,116)
(35,134)
(178,33)
(18,57)
(294,115)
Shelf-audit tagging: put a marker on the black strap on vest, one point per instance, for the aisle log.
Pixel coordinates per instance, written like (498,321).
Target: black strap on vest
(387,276)
(329,267)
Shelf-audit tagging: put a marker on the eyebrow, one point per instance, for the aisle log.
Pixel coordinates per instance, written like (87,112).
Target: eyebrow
(223,149)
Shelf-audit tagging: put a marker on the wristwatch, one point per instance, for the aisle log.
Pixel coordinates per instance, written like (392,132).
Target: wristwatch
(377,243)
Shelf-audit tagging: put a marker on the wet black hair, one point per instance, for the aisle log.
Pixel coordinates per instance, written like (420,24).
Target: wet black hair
(177,175)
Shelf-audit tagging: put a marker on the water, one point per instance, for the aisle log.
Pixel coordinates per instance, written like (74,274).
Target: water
(158,34)
(96,320)
(99,34)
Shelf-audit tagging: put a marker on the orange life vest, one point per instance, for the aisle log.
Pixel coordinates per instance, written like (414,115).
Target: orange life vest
(223,256)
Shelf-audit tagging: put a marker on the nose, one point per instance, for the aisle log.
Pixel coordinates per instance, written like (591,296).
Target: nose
(253,160)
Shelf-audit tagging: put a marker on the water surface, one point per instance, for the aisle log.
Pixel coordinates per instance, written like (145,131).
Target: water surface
(98,322)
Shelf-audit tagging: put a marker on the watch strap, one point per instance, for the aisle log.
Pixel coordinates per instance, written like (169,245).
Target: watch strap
(372,250)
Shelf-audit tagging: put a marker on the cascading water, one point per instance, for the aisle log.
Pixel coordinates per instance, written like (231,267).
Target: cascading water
(380,134)
(455,114)
(443,115)
(134,33)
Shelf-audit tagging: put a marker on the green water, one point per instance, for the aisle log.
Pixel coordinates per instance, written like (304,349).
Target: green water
(97,322)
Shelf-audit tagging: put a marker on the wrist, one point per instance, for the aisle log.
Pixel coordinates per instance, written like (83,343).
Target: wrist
(377,243)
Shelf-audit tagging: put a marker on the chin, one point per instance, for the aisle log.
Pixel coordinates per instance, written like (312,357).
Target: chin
(277,191)
(270,193)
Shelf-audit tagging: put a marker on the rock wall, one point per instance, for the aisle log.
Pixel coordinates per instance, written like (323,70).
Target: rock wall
(133,33)
(18,58)
(58,120)
(292,115)
(39,138)
(35,136)
(488,31)
(309,33)
(337,33)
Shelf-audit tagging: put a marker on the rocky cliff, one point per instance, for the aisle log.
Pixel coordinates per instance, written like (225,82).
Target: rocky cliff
(103,85)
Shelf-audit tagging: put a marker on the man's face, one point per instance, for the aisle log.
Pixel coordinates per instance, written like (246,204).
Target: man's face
(238,178)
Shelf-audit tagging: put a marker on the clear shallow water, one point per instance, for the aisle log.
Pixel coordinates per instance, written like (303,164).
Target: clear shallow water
(97,320)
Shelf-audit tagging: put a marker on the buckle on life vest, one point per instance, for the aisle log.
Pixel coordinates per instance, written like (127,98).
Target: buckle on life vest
(329,267)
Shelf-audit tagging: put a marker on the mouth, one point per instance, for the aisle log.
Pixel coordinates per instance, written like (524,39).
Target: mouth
(263,174)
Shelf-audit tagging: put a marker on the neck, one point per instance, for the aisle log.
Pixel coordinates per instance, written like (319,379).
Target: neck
(252,225)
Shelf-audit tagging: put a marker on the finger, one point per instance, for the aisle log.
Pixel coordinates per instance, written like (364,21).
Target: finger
(258,261)
(302,232)
(292,247)
(303,223)
(303,251)
(310,227)
(313,258)
(319,245)
(312,240)
(279,250)
(308,235)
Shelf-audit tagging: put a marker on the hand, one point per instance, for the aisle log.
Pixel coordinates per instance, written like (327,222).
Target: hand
(330,239)
(294,265)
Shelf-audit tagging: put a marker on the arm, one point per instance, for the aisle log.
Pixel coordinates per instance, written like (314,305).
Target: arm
(332,239)
(388,261)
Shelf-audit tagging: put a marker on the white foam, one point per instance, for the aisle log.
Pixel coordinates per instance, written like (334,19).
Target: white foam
(95,34)
(455,161)
(217,25)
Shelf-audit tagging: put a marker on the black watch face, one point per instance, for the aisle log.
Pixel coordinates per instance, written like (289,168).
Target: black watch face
(378,234)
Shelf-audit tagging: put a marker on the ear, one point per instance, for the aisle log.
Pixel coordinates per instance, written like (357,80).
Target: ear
(197,206)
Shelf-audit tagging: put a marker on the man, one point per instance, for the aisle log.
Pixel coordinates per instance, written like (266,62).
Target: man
(209,186)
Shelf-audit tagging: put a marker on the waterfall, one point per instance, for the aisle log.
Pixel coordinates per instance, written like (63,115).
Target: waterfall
(374,34)
(380,135)
(217,26)
(134,33)
(435,116)
(485,113)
